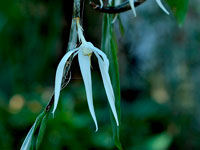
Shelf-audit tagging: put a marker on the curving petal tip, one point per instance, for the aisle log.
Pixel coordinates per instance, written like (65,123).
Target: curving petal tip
(101,3)
(104,68)
(84,63)
(58,78)
(131,2)
(162,7)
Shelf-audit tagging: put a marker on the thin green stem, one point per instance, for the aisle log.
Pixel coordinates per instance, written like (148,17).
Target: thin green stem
(71,45)
(76,10)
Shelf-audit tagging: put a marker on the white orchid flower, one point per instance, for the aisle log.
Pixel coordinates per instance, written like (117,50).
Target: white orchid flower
(84,52)
(131,2)
(162,7)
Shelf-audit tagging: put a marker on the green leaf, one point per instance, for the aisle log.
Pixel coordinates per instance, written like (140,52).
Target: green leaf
(179,9)
(27,144)
(41,131)
(109,46)
(121,27)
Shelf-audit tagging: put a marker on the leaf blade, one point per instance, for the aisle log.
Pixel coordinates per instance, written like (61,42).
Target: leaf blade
(179,9)
(41,131)
(109,46)
(28,140)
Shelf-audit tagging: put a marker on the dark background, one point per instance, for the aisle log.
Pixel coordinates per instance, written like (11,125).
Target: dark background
(159,73)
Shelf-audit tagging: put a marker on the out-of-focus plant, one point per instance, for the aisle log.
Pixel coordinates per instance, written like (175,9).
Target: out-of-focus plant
(108,62)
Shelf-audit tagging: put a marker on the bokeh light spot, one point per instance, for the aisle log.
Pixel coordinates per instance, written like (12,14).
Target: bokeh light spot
(16,103)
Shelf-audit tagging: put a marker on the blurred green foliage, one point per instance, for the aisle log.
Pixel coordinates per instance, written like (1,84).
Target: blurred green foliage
(159,75)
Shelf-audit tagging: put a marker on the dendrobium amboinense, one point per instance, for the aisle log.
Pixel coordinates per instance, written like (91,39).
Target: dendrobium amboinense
(131,2)
(84,52)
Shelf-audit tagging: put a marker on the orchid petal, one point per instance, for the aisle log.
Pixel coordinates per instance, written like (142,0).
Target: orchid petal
(110,2)
(131,2)
(58,78)
(117,2)
(162,7)
(80,33)
(84,63)
(101,2)
(104,68)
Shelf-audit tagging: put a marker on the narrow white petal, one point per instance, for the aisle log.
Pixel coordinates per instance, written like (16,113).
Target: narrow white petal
(101,2)
(84,63)
(80,32)
(162,7)
(110,2)
(104,68)
(117,2)
(131,2)
(58,78)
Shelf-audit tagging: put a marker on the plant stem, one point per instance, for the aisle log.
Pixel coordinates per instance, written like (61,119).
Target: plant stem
(71,45)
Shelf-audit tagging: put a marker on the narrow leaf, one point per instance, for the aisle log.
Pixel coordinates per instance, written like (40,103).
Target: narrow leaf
(121,27)
(109,46)
(179,9)
(28,140)
(41,131)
